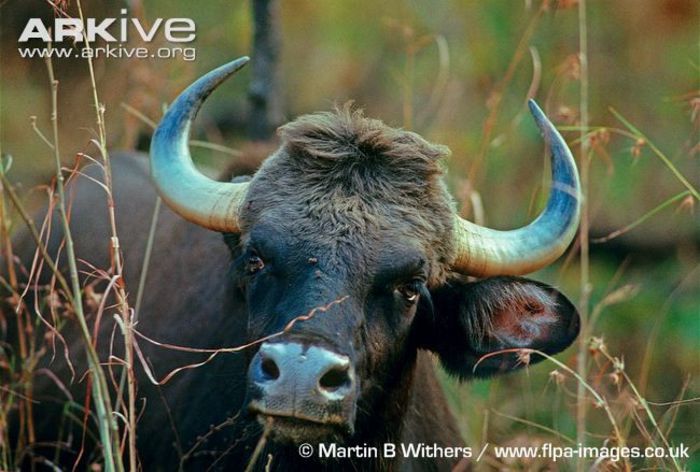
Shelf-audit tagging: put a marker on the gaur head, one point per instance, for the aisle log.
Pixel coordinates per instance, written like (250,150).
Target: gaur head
(349,256)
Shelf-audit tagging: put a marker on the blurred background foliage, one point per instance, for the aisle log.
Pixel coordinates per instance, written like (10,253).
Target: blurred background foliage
(459,73)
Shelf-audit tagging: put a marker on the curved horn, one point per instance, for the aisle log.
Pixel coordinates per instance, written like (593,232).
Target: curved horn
(486,252)
(195,197)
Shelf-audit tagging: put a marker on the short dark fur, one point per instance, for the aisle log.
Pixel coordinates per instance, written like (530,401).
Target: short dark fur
(347,207)
(350,179)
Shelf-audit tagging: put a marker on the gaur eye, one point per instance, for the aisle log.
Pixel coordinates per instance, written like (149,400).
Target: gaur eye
(254,264)
(410,291)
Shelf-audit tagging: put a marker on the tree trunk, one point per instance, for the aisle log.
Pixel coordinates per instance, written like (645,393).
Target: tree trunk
(264,92)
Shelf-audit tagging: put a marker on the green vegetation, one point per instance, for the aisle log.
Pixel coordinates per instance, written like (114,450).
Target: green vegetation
(459,73)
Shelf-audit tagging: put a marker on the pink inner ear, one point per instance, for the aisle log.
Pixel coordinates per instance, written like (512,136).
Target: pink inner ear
(523,319)
(534,307)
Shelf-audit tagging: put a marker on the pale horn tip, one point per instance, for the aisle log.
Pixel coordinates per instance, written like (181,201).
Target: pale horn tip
(537,113)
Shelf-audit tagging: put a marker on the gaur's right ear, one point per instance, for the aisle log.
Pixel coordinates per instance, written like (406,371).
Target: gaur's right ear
(474,319)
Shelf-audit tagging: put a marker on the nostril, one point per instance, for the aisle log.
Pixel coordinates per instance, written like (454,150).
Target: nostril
(270,369)
(335,378)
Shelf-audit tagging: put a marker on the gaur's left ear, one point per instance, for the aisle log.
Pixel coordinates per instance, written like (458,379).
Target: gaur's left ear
(473,319)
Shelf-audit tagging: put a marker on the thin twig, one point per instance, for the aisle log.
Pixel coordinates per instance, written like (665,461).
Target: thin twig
(498,92)
(641,219)
(107,426)
(658,153)
(226,350)
(116,259)
(642,401)
(585,285)
(600,400)
(536,425)
(29,223)
(147,258)
(259,446)
(193,142)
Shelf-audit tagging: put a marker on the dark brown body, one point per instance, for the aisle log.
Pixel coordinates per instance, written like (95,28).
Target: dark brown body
(186,303)
(349,214)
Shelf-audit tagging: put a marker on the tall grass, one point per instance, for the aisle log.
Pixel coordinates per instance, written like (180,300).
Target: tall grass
(116,269)
(596,382)
(584,161)
(586,381)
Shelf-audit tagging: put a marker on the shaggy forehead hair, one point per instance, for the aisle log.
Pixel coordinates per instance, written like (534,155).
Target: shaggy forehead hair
(356,185)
